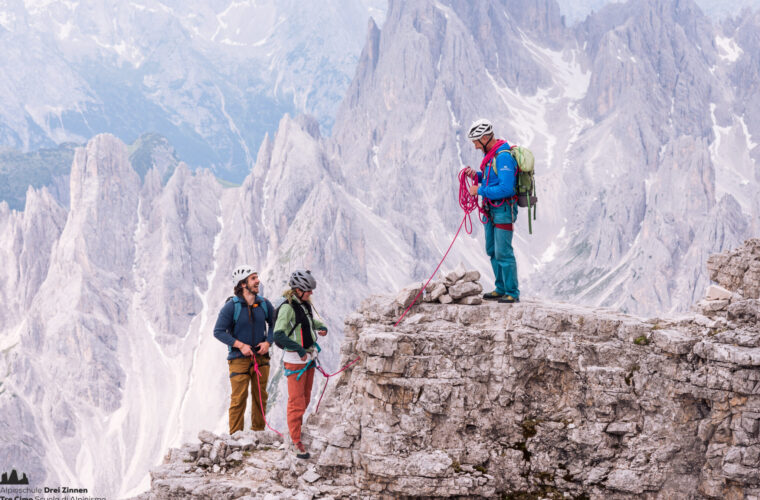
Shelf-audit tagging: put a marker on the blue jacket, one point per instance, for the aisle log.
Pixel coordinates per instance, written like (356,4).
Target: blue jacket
(499,184)
(253,326)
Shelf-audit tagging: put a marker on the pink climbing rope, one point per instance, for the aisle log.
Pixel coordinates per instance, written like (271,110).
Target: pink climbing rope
(261,403)
(468,202)
(327,379)
(321,370)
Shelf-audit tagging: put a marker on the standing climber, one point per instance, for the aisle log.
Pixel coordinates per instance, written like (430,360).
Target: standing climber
(496,184)
(296,332)
(245,324)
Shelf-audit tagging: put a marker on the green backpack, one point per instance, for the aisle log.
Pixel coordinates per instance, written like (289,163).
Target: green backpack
(526,183)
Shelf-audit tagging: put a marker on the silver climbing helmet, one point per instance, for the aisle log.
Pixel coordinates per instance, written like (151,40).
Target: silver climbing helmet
(479,128)
(303,280)
(241,272)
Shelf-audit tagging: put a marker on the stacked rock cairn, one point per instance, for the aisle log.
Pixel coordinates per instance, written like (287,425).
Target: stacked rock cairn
(459,286)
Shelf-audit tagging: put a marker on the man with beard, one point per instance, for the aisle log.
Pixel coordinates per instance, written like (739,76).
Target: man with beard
(245,325)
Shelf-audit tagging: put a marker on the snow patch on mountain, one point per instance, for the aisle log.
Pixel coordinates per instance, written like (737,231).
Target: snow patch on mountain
(735,168)
(728,49)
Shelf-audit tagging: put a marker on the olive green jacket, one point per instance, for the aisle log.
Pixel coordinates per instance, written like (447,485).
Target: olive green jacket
(287,334)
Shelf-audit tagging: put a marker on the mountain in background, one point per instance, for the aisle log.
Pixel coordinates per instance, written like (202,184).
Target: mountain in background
(50,168)
(644,121)
(211,77)
(47,167)
(576,11)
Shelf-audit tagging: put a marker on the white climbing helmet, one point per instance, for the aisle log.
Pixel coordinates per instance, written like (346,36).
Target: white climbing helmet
(479,128)
(241,273)
(303,280)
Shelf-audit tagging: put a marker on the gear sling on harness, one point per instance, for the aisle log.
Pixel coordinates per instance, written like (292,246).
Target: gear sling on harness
(301,319)
(308,366)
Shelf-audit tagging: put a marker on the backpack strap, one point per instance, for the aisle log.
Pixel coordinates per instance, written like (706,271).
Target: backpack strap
(511,199)
(238,308)
(303,314)
(295,311)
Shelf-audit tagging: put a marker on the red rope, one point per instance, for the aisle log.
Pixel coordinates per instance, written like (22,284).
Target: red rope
(327,379)
(261,403)
(468,202)
(321,370)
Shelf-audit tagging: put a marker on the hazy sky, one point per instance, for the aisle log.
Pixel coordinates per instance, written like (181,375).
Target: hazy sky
(577,10)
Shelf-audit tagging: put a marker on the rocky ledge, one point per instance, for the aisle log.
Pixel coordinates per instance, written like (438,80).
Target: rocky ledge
(530,400)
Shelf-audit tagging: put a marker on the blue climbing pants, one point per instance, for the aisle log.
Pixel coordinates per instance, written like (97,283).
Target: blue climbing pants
(499,249)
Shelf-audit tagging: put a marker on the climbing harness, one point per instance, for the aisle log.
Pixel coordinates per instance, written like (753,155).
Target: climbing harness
(298,373)
(468,202)
(307,366)
(315,363)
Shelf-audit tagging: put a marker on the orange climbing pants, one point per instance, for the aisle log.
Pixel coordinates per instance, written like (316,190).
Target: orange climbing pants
(299,395)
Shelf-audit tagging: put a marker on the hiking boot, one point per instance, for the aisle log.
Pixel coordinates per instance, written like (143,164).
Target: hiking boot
(492,295)
(301,451)
(508,299)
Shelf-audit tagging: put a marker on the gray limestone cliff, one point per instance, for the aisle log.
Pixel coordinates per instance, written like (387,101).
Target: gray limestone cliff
(538,399)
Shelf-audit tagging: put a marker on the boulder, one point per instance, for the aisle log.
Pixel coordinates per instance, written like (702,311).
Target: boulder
(465,289)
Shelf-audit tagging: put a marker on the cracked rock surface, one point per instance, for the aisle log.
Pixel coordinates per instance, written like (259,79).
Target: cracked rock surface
(535,398)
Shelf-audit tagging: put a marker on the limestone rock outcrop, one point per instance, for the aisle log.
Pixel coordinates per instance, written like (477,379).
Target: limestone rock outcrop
(534,398)
(738,270)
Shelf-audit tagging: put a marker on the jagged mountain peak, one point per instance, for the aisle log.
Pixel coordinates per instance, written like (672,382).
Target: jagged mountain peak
(103,161)
(40,200)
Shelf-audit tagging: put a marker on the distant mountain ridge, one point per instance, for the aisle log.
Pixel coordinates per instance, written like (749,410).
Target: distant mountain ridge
(50,168)
(47,167)
(212,77)
(576,11)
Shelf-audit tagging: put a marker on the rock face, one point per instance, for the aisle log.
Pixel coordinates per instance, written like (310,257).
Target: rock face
(533,398)
(738,269)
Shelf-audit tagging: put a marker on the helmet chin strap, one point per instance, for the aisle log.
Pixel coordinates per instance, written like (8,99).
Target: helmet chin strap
(480,141)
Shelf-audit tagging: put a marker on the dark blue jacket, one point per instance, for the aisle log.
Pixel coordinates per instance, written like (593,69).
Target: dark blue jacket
(253,326)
